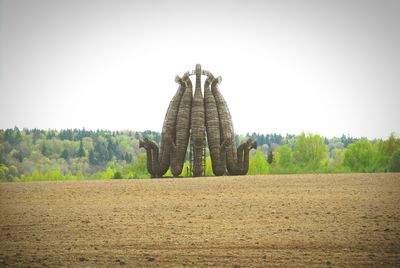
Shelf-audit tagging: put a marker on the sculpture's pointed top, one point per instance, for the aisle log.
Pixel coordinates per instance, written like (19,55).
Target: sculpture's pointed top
(198,73)
(178,80)
(185,75)
(217,80)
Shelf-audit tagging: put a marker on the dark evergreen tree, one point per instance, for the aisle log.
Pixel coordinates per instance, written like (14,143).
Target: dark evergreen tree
(19,156)
(128,157)
(65,155)
(44,150)
(117,175)
(81,151)
(92,159)
(270,157)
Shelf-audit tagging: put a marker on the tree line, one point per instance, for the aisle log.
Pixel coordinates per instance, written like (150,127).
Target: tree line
(311,153)
(35,154)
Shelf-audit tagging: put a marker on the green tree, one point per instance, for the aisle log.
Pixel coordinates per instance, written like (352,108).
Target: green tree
(386,150)
(265,150)
(337,159)
(185,169)
(13,171)
(2,160)
(128,157)
(108,173)
(65,154)
(270,157)
(45,150)
(283,159)
(394,164)
(258,164)
(117,175)
(92,159)
(310,152)
(360,156)
(139,169)
(168,173)
(3,172)
(53,174)
(209,171)
(81,151)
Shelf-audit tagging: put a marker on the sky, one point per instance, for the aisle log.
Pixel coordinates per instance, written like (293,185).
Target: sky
(323,67)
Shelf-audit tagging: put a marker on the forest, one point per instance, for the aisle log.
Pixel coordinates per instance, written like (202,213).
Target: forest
(35,154)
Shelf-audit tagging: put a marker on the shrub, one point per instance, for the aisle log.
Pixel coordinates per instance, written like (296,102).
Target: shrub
(361,156)
(258,164)
(394,165)
(117,175)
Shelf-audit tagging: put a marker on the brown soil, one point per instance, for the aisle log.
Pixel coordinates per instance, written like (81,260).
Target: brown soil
(294,220)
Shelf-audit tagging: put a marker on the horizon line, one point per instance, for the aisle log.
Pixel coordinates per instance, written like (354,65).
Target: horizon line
(392,133)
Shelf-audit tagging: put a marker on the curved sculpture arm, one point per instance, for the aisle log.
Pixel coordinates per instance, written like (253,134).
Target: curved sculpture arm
(212,120)
(226,127)
(159,160)
(237,159)
(182,128)
(155,160)
(149,156)
(168,133)
(250,144)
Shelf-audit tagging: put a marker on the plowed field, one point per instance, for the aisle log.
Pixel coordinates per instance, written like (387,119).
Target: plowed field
(350,220)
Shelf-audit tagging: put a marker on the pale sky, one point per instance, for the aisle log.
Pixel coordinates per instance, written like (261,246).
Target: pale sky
(325,67)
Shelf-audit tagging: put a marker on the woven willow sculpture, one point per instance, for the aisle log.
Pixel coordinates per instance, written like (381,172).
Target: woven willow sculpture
(194,117)
(217,150)
(182,129)
(198,126)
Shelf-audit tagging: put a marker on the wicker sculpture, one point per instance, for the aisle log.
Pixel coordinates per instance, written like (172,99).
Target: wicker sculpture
(194,118)
(197,126)
(182,129)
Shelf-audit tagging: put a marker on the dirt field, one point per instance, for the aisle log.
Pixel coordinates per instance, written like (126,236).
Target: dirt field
(294,220)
